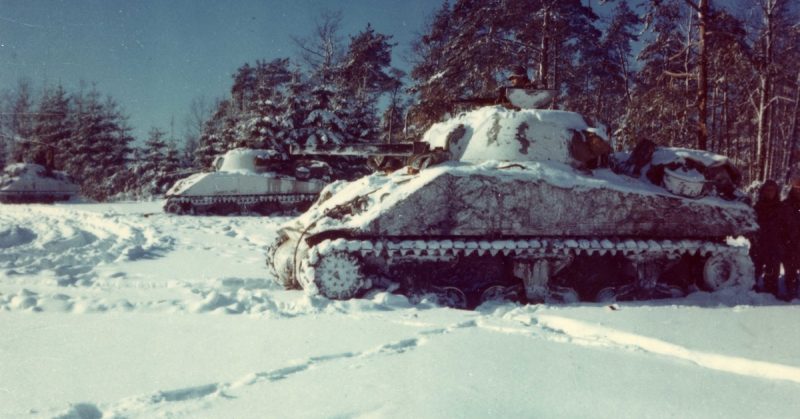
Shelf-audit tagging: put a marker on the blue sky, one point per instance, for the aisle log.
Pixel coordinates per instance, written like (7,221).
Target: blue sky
(155,56)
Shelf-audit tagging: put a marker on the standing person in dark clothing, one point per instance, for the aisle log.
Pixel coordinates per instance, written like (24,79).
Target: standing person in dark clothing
(791,257)
(769,242)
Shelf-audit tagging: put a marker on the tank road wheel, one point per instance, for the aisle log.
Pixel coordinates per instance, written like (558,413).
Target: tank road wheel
(451,297)
(266,207)
(179,208)
(173,207)
(727,270)
(336,275)
(501,293)
(618,293)
(536,275)
(226,208)
(280,262)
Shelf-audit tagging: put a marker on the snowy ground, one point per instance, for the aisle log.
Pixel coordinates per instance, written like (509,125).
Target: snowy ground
(122,311)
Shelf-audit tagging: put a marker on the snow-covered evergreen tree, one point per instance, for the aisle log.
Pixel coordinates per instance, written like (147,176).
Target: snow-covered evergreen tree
(295,109)
(173,165)
(100,148)
(324,125)
(213,140)
(362,122)
(260,124)
(156,164)
(153,157)
(471,47)
(52,130)
(366,68)
(364,75)
(600,87)
(19,120)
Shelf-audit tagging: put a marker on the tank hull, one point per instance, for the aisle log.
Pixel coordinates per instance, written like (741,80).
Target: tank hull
(496,203)
(31,183)
(229,193)
(529,229)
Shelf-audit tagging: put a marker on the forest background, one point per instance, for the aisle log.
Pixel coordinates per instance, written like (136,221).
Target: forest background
(713,75)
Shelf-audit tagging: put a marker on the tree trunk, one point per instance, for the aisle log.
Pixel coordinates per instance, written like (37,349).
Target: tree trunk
(793,131)
(702,77)
(726,130)
(765,85)
(687,83)
(713,130)
(544,62)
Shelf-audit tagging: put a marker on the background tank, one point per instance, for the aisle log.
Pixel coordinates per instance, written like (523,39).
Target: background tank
(27,182)
(246,180)
(520,206)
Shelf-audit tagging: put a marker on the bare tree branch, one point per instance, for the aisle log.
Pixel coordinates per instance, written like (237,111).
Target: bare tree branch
(679,75)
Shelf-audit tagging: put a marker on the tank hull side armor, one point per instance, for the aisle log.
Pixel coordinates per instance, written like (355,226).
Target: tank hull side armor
(473,231)
(31,183)
(494,206)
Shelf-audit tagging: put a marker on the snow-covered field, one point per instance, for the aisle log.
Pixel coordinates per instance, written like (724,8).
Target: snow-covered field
(119,310)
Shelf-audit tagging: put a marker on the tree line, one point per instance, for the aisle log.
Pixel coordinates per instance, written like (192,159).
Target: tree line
(704,74)
(719,76)
(329,95)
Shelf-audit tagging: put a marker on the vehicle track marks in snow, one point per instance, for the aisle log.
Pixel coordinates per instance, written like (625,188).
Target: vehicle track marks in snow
(593,335)
(72,243)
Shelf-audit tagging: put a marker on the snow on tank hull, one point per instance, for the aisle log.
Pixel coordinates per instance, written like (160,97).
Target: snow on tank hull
(246,181)
(536,230)
(229,192)
(30,183)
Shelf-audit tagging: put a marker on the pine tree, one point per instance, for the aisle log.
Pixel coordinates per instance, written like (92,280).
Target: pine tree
(100,148)
(471,47)
(296,106)
(153,158)
(52,129)
(365,70)
(3,152)
(601,86)
(365,75)
(243,89)
(213,140)
(662,103)
(260,126)
(172,166)
(362,123)
(324,125)
(20,120)
(157,164)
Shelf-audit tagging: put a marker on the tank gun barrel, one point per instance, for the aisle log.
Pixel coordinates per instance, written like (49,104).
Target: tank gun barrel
(368,150)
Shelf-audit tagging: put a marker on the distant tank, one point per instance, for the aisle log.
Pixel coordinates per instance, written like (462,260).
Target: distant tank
(250,181)
(520,204)
(28,183)
(266,181)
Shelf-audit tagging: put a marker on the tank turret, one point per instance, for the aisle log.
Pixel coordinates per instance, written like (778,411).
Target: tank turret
(519,204)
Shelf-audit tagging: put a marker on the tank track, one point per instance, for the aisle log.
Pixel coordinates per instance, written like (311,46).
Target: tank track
(27,197)
(226,204)
(331,267)
(536,248)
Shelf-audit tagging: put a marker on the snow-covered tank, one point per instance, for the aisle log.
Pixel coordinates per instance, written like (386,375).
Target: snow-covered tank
(520,205)
(28,182)
(246,180)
